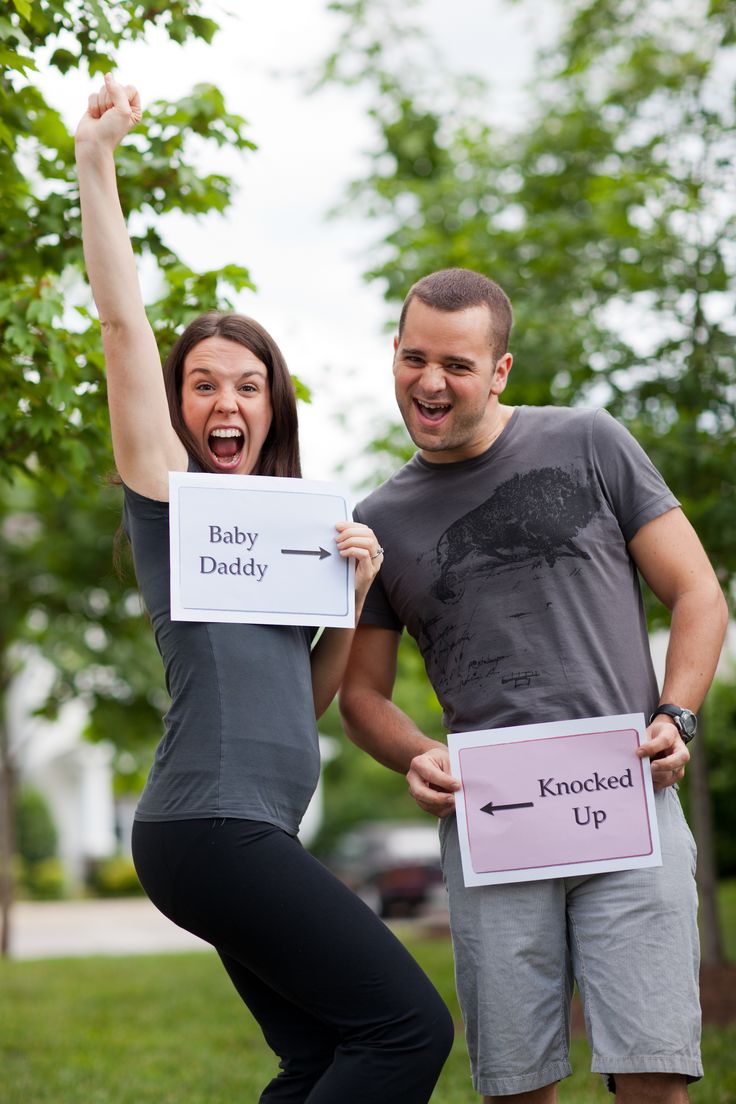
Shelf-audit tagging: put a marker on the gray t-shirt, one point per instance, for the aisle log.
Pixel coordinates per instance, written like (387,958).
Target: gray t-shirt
(511,571)
(240,739)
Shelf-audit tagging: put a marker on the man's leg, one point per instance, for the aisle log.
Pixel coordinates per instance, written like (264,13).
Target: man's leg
(651,1088)
(513,979)
(547,1095)
(634,943)
(631,1088)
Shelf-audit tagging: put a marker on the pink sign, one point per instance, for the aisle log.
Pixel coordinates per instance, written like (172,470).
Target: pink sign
(557,800)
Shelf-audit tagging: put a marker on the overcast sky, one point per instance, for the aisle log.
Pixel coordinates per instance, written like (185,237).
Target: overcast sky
(307,268)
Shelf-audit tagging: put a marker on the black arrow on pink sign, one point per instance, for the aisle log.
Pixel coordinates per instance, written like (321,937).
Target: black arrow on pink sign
(490,808)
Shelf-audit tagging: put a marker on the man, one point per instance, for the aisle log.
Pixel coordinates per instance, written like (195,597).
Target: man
(512,541)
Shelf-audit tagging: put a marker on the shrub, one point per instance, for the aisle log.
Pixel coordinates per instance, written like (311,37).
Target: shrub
(115,877)
(45,879)
(35,832)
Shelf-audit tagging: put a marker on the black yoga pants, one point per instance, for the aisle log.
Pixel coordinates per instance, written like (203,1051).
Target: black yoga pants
(351,1016)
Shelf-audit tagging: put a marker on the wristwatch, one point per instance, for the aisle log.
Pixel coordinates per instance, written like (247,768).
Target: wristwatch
(685,720)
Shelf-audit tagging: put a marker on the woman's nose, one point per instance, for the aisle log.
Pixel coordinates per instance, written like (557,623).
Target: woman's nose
(226,400)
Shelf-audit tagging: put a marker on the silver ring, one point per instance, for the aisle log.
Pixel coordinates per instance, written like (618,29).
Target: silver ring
(378,553)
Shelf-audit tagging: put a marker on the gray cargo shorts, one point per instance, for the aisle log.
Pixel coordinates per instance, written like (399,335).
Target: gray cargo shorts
(630,940)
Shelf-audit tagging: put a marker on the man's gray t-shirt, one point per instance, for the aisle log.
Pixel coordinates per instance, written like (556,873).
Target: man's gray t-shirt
(512,573)
(240,739)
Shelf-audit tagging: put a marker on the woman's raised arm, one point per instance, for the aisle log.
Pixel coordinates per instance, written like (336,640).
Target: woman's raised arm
(145,445)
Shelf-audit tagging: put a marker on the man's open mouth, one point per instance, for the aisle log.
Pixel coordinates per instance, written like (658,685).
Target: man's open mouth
(433,412)
(226,446)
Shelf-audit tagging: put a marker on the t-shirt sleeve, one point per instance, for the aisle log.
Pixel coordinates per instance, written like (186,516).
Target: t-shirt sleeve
(377,610)
(139,512)
(632,486)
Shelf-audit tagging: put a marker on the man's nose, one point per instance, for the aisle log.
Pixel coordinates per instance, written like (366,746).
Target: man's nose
(433,378)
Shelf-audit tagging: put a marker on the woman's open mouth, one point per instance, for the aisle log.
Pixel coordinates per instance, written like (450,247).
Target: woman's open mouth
(226,447)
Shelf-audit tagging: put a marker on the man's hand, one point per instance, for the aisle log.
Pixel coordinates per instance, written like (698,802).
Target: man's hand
(668,753)
(430,782)
(110,114)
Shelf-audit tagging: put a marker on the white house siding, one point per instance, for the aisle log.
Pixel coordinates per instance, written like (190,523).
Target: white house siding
(74,776)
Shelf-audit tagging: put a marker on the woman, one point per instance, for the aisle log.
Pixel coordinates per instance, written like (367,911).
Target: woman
(347,1010)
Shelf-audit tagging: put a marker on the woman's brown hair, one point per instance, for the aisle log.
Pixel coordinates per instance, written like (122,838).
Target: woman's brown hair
(280,451)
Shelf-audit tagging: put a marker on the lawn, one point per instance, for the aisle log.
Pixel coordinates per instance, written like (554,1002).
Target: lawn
(168,1029)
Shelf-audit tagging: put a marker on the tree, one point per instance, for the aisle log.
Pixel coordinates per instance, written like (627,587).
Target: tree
(608,215)
(58,592)
(356,787)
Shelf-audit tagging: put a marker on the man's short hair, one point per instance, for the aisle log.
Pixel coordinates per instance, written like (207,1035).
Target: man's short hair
(456,289)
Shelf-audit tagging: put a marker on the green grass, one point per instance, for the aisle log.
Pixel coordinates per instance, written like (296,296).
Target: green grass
(169,1029)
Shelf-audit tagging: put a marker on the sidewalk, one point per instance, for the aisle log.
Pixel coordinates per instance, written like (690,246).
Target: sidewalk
(61,929)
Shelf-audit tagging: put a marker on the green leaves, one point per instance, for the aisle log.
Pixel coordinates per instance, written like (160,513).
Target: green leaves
(58,591)
(52,405)
(607,215)
(23,7)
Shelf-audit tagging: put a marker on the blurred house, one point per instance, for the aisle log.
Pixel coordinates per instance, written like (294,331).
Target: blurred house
(74,776)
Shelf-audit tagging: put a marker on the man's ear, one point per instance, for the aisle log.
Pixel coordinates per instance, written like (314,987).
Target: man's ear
(396,345)
(501,374)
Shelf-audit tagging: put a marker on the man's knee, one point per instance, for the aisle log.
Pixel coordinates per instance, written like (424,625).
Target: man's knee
(650,1088)
(546,1095)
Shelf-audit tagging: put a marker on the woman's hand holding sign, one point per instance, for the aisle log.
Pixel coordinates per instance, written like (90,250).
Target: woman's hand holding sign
(358,542)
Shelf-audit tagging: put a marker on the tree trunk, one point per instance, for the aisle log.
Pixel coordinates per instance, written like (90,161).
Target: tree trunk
(707,876)
(7,835)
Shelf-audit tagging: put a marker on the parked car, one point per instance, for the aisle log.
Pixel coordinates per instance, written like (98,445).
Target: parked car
(393,865)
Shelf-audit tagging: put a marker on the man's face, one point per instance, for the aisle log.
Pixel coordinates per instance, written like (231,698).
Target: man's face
(447,382)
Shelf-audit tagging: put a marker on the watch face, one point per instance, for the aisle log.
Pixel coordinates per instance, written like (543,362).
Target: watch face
(689,723)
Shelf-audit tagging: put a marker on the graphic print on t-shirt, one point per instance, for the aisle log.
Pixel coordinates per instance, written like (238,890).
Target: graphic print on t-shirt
(530,517)
(517,543)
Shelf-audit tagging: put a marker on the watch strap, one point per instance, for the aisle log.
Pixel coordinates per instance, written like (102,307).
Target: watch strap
(675,712)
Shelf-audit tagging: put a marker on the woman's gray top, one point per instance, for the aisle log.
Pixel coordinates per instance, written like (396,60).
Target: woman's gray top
(240,739)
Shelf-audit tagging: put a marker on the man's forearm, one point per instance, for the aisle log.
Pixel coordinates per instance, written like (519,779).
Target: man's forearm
(379,727)
(699,620)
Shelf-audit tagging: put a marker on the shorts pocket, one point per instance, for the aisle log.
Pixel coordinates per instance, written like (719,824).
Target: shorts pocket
(680,824)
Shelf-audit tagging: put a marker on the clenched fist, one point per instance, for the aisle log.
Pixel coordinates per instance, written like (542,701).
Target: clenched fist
(110,114)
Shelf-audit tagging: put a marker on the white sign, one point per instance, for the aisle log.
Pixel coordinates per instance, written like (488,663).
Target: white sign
(258,549)
(554,800)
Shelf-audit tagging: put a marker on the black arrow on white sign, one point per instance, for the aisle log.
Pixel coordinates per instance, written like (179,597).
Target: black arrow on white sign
(490,808)
(321,552)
